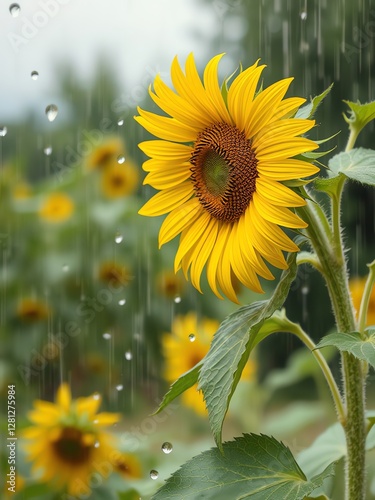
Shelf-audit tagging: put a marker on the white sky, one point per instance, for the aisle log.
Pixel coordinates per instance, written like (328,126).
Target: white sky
(139,36)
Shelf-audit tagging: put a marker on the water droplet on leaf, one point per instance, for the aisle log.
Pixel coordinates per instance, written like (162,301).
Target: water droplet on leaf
(15,9)
(192,337)
(51,112)
(167,447)
(154,474)
(34,75)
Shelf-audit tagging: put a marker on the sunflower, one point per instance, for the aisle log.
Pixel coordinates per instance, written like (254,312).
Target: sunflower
(32,310)
(170,284)
(220,164)
(357,286)
(127,465)
(119,179)
(105,154)
(56,207)
(67,442)
(112,273)
(183,347)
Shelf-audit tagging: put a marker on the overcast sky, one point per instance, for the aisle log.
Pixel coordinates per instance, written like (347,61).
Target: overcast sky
(139,36)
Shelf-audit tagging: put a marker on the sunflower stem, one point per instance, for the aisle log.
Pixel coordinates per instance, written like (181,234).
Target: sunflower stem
(335,271)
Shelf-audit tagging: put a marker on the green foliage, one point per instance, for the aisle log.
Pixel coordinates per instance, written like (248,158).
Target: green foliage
(359,115)
(354,343)
(232,344)
(357,164)
(253,466)
(308,110)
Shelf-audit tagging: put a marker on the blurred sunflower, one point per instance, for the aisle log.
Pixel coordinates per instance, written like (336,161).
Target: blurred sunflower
(67,443)
(169,284)
(105,154)
(32,310)
(220,167)
(357,286)
(127,465)
(111,272)
(56,207)
(21,191)
(119,179)
(183,347)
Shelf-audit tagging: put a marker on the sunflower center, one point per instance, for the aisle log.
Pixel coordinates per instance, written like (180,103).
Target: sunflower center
(70,447)
(223,171)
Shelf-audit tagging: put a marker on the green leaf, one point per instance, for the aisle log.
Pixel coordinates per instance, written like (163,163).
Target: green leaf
(186,381)
(329,185)
(357,164)
(359,114)
(308,110)
(232,344)
(353,343)
(256,467)
(128,495)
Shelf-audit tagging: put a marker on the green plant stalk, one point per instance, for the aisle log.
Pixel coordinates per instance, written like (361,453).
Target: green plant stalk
(331,256)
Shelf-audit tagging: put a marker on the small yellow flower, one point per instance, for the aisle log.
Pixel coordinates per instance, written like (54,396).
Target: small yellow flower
(67,442)
(119,180)
(21,191)
(357,286)
(105,154)
(57,207)
(188,343)
(220,163)
(32,310)
(170,284)
(114,274)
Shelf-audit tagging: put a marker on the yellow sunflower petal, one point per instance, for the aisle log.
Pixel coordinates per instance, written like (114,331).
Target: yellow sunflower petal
(168,178)
(63,397)
(284,149)
(241,94)
(88,405)
(284,170)
(46,407)
(212,265)
(278,215)
(164,150)
(272,233)
(224,276)
(190,236)
(167,200)
(278,194)
(179,219)
(106,419)
(262,108)
(211,85)
(290,127)
(166,128)
(288,107)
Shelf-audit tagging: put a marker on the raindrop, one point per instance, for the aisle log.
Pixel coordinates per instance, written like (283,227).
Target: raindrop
(51,112)
(96,444)
(15,9)
(303,15)
(48,150)
(3,131)
(118,238)
(96,395)
(167,447)
(154,474)
(128,355)
(34,75)
(305,290)
(192,337)
(120,123)
(121,159)
(65,268)
(119,387)
(122,302)
(107,336)
(177,299)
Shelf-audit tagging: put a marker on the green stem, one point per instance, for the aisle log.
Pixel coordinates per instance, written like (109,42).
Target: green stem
(302,335)
(362,317)
(334,269)
(352,138)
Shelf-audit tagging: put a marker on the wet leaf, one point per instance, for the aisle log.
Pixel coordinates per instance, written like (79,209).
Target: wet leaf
(253,466)
(357,164)
(353,343)
(232,344)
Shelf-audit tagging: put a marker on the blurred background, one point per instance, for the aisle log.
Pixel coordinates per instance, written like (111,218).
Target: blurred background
(86,297)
